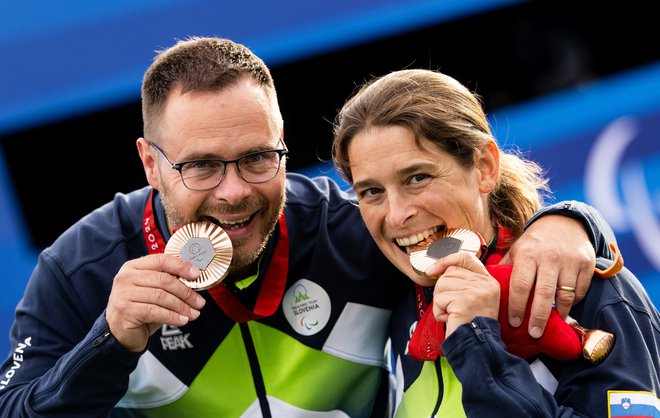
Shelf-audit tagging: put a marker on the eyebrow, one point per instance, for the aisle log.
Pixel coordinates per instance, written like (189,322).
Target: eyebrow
(365,184)
(416,168)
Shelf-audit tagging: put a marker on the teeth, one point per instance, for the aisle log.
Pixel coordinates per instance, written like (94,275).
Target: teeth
(234,222)
(414,239)
(229,224)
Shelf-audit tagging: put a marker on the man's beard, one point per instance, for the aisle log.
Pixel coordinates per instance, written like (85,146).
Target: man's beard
(239,261)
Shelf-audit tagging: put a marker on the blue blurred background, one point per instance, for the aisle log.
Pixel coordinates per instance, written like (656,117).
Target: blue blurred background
(575,86)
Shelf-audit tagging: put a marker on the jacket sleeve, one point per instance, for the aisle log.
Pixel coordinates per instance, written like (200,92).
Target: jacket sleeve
(495,383)
(599,231)
(60,364)
(498,384)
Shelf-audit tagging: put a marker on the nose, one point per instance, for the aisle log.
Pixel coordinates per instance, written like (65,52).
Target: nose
(232,189)
(399,210)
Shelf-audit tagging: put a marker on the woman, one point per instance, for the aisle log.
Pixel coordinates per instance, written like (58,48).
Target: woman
(418,150)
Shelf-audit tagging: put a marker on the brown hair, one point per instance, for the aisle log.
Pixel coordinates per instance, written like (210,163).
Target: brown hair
(198,63)
(440,110)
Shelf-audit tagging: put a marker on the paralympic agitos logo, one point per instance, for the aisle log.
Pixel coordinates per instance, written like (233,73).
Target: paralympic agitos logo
(620,189)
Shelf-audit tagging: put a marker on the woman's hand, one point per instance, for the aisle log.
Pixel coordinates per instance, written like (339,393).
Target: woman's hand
(463,291)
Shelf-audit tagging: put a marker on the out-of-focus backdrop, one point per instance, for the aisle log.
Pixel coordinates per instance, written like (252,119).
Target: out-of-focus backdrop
(574,85)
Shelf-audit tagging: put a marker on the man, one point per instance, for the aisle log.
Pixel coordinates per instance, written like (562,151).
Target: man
(297,328)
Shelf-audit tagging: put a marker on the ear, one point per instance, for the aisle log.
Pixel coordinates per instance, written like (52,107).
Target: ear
(149,163)
(488,164)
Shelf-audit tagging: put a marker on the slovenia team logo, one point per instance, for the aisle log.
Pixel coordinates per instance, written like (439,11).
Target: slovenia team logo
(306,307)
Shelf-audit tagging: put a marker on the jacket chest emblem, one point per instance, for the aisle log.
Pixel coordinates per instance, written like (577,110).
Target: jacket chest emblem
(172,338)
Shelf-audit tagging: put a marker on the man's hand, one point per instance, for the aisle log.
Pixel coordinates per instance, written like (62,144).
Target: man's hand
(147,293)
(554,252)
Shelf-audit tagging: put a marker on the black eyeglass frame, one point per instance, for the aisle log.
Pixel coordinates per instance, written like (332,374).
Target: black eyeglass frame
(281,152)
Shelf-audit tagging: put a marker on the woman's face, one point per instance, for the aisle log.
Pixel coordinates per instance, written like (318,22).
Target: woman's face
(405,193)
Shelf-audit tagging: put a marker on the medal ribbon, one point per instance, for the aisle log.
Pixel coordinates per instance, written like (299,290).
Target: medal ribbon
(152,236)
(272,288)
(429,334)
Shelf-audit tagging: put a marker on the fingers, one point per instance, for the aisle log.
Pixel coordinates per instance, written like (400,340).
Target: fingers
(147,293)
(155,280)
(576,276)
(564,297)
(464,291)
(562,257)
(523,276)
(547,272)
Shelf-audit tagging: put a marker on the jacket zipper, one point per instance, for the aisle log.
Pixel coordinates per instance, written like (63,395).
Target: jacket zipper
(533,411)
(78,360)
(257,377)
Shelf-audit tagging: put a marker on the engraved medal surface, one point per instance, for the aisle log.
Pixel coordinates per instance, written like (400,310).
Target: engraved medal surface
(425,253)
(207,247)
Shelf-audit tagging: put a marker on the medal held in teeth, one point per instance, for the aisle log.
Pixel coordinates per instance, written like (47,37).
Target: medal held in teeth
(207,247)
(425,253)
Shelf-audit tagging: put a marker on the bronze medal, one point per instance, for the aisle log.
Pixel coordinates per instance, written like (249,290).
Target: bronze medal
(425,253)
(207,247)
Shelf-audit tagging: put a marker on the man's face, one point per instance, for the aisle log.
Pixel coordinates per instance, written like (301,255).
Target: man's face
(225,125)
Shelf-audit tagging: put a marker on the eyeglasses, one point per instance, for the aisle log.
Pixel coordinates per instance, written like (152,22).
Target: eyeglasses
(255,167)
